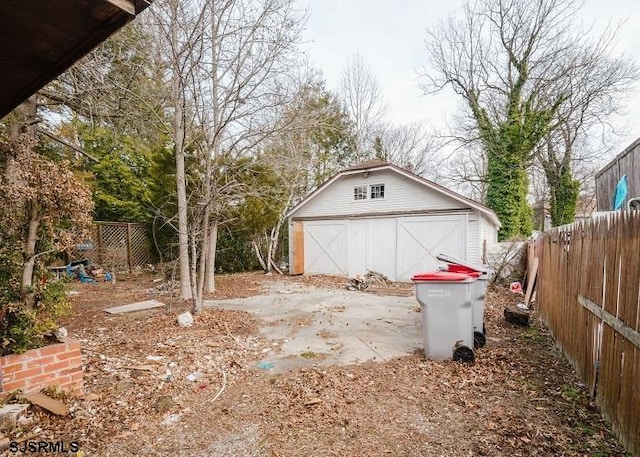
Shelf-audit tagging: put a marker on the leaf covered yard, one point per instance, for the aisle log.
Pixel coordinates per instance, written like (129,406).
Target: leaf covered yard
(520,397)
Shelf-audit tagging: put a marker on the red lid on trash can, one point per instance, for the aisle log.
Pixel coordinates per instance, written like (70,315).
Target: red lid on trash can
(441,276)
(462,266)
(453,268)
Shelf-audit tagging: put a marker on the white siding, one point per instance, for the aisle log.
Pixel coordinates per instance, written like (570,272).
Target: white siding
(400,194)
(488,231)
(474,242)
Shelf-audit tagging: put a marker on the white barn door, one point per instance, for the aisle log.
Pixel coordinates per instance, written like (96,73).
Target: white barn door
(372,246)
(420,239)
(396,247)
(381,252)
(325,246)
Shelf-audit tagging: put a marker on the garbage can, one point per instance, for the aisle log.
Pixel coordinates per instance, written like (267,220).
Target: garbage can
(445,299)
(479,290)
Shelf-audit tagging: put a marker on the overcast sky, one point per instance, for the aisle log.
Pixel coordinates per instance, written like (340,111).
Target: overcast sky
(390,37)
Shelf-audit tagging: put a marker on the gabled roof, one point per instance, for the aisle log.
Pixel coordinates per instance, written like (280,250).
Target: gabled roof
(43,38)
(379,165)
(367,165)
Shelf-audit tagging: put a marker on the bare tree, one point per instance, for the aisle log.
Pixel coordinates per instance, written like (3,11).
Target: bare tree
(361,94)
(252,50)
(316,140)
(179,34)
(408,146)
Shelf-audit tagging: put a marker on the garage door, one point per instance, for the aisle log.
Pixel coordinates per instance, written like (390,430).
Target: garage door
(325,247)
(398,247)
(420,239)
(372,246)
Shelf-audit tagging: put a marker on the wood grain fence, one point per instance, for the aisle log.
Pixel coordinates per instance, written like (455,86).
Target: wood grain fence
(117,246)
(588,294)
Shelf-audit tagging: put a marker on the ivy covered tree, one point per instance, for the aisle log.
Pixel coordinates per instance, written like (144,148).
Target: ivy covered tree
(519,67)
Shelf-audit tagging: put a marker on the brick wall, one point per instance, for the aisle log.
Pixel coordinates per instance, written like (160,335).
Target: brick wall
(56,365)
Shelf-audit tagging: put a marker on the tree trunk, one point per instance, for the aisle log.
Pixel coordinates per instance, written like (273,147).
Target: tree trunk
(194,270)
(256,248)
(30,254)
(210,247)
(22,134)
(179,139)
(204,252)
(563,190)
(269,239)
(210,284)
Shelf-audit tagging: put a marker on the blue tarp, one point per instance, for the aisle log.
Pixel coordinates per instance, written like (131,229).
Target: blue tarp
(621,193)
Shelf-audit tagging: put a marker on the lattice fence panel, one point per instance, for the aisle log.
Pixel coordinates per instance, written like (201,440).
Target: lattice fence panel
(116,246)
(112,246)
(140,246)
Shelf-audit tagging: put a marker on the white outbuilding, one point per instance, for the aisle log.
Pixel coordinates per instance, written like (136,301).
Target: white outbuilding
(379,217)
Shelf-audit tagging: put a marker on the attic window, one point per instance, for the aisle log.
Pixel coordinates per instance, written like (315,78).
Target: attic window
(376,191)
(360,193)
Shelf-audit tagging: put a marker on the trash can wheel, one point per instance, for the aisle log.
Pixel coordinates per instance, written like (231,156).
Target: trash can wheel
(464,354)
(479,340)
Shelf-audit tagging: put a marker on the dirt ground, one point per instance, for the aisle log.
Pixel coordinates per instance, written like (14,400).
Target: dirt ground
(520,398)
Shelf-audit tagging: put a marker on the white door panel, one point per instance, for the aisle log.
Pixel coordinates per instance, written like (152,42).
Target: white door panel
(325,247)
(420,239)
(357,246)
(381,248)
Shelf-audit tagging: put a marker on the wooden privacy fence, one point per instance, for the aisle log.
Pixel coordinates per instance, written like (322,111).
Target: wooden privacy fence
(589,282)
(117,246)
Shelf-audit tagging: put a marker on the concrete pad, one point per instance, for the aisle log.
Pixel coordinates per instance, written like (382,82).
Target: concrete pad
(315,326)
(138,306)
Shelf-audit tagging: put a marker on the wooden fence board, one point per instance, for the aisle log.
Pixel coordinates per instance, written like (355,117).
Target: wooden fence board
(588,286)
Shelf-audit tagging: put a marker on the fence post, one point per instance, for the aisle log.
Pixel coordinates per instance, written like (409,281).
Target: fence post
(129,256)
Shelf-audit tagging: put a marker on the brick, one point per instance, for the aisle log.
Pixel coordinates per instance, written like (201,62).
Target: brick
(77,376)
(8,369)
(40,361)
(18,384)
(48,403)
(69,355)
(71,370)
(28,373)
(53,349)
(41,379)
(75,362)
(53,367)
(13,358)
(73,346)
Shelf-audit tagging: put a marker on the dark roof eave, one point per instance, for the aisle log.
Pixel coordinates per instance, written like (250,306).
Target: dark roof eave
(49,39)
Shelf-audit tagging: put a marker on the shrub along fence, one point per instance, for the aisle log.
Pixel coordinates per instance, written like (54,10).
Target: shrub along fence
(589,283)
(117,246)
